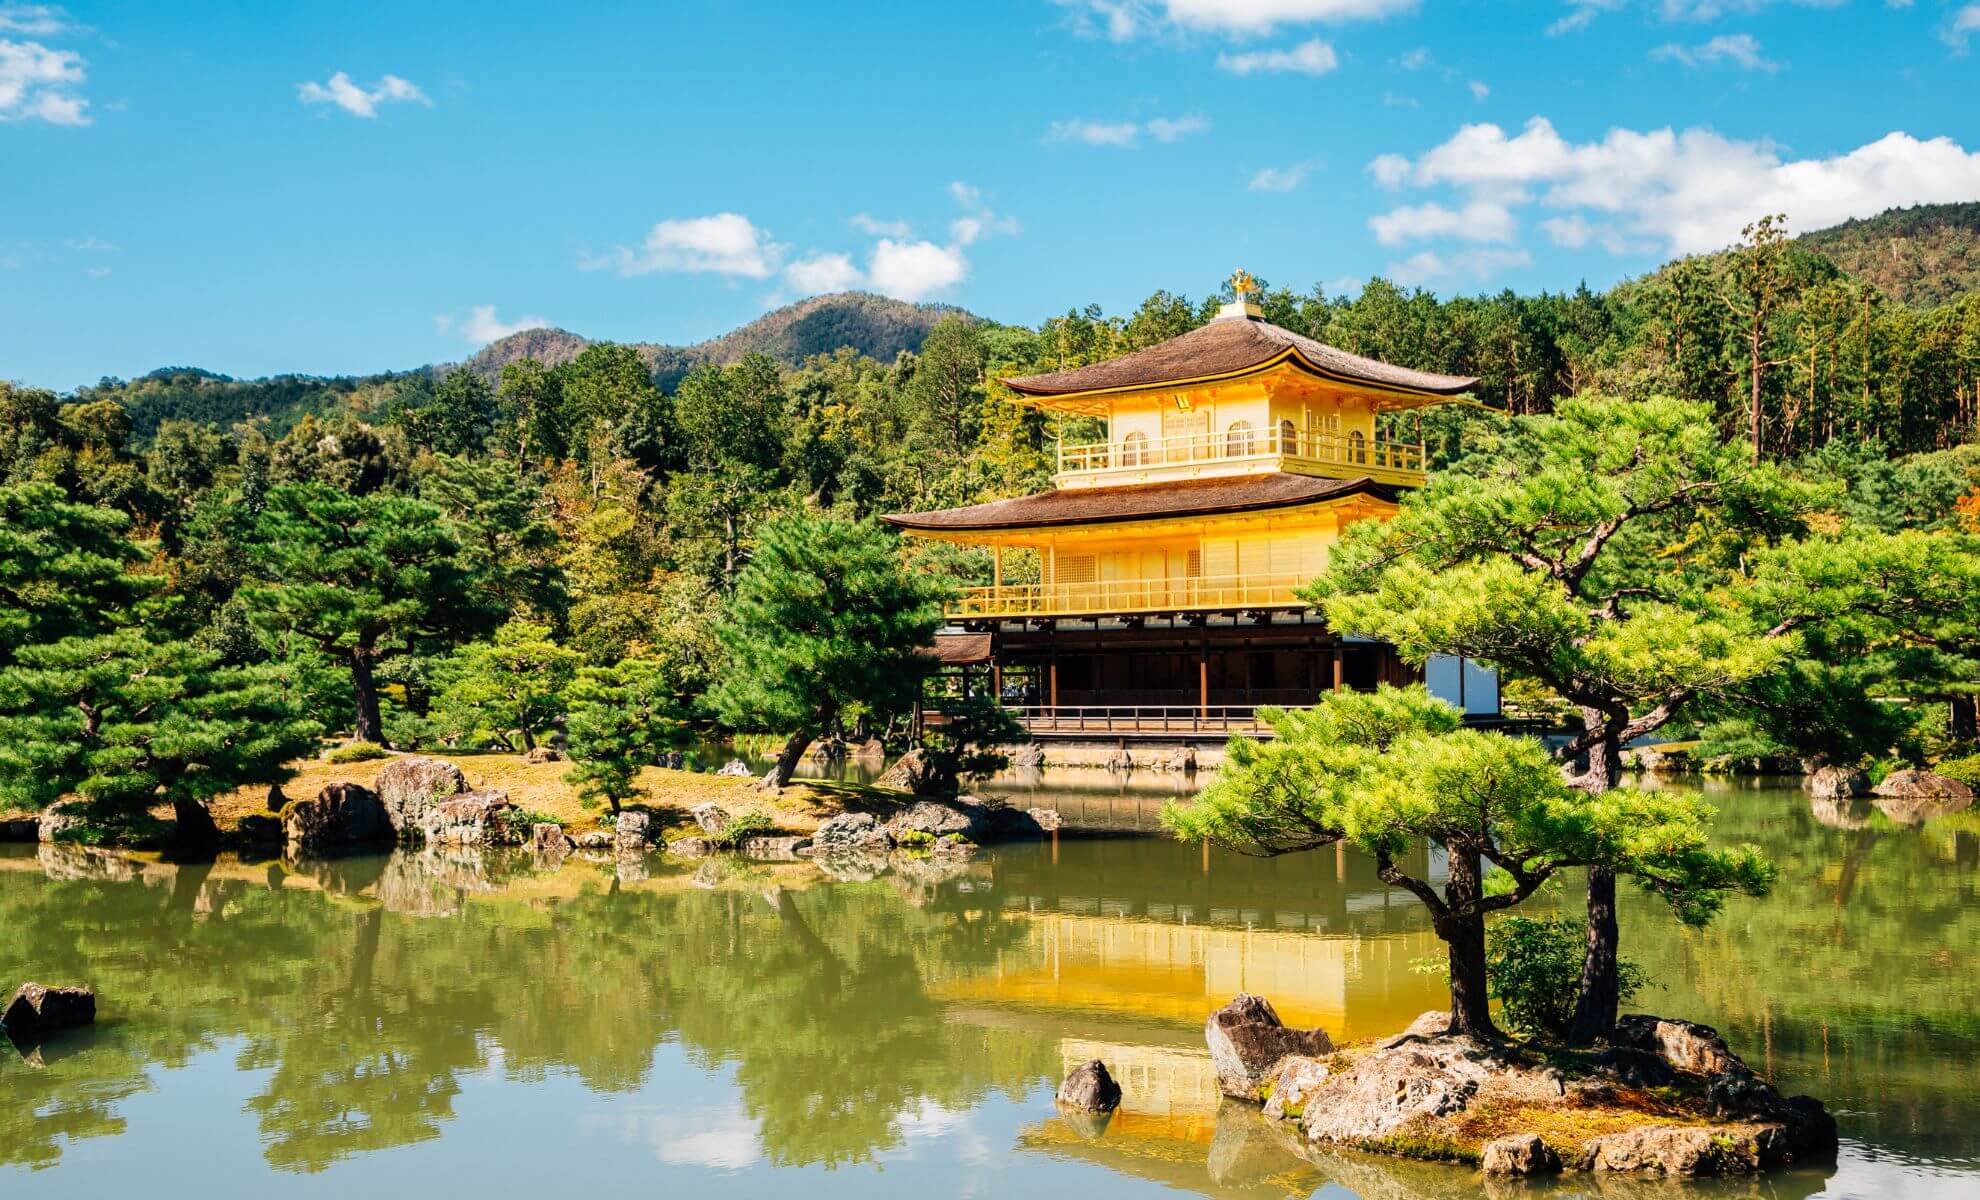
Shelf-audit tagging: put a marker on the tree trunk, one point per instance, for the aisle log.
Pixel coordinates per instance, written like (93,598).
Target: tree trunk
(1595,1008)
(369,727)
(1471,1009)
(529,742)
(193,825)
(1754,368)
(787,761)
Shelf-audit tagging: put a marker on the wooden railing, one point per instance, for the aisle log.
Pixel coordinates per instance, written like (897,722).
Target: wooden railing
(1175,594)
(1125,718)
(1349,452)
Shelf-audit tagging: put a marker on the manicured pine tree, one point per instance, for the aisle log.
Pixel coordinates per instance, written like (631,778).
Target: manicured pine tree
(363,578)
(824,617)
(514,682)
(65,569)
(621,718)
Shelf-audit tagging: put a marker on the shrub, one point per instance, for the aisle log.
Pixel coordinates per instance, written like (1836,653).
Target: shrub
(519,824)
(1533,968)
(1965,770)
(358,752)
(915,839)
(741,828)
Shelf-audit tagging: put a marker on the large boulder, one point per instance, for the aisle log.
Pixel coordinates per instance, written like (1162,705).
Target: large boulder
(58,819)
(1922,785)
(1181,760)
(543,754)
(342,815)
(633,830)
(549,841)
(1389,1090)
(850,833)
(1248,1043)
(711,817)
(872,749)
(468,819)
(1089,1088)
(1519,1154)
(1299,1078)
(907,772)
(1685,1045)
(736,768)
(1837,783)
(38,1010)
(1028,756)
(1687,1149)
(408,786)
(939,818)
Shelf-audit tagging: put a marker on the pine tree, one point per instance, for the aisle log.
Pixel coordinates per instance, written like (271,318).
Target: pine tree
(514,682)
(621,718)
(824,617)
(65,569)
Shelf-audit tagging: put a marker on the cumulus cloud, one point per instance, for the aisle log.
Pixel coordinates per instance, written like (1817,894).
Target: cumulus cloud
(1124,20)
(361,101)
(38,83)
(821,273)
(1125,135)
(1311,57)
(1430,268)
(1478,221)
(1686,191)
(1740,49)
(914,270)
(723,244)
(35,20)
(482,326)
(1280,179)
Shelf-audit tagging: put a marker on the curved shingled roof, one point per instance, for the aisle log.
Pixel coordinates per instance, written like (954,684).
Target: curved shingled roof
(1143,501)
(1230,346)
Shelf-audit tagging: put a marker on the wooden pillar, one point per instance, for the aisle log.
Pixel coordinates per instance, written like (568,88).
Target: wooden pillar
(997,566)
(1337,668)
(1203,676)
(1052,673)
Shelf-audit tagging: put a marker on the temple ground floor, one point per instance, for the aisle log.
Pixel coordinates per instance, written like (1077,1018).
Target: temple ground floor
(1181,678)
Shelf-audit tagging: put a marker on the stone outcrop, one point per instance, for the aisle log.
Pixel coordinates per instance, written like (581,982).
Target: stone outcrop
(59,818)
(1089,1088)
(1028,756)
(596,839)
(548,840)
(408,786)
(872,750)
(712,818)
(939,818)
(1922,785)
(736,768)
(467,819)
(633,830)
(38,1010)
(1299,1077)
(691,847)
(1120,760)
(851,833)
(1181,760)
(342,815)
(1519,1154)
(1687,1150)
(544,754)
(1837,783)
(907,772)
(1682,1045)
(775,848)
(1248,1043)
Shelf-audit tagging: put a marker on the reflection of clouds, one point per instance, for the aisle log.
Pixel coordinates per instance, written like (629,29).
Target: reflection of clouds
(928,1121)
(722,1137)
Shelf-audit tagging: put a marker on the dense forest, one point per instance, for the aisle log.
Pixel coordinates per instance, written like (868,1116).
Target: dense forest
(604,505)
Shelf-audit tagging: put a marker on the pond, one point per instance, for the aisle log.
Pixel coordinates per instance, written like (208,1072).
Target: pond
(428,1025)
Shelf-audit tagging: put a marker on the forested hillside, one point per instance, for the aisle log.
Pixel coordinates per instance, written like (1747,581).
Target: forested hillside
(1925,255)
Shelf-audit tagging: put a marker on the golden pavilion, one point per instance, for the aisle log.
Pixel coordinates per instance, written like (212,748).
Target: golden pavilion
(1158,573)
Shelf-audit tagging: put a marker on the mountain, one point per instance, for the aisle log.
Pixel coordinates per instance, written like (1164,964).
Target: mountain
(1922,256)
(876,326)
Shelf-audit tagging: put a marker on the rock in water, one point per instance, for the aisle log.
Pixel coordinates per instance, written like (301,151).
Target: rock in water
(712,818)
(871,748)
(633,829)
(1181,760)
(938,818)
(1684,1045)
(1837,783)
(342,814)
(1922,785)
(736,768)
(1029,756)
(548,840)
(37,1010)
(408,786)
(1520,1154)
(1685,1149)
(691,847)
(1299,1077)
(1248,1042)
(469,819)
(58,819)
(907,772)
(1090,1089)
(850,833)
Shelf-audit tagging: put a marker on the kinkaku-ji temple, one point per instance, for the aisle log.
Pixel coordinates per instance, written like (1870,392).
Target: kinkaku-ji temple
(1151,591)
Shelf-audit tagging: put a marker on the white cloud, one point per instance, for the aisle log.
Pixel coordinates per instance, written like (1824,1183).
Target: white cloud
(359,101)
(1167,129)
(723,244)
(1581,14)
(1311,57)
(1125,20)
(1960,29)
(1124,135)
(35,20)
(1741,49)
(822,273)
(97,272)
(978,221)
(1478,221)
(1280,179)
(1429,268)
(1690,191)
(914,270)
(36,84)
(90,245)
(482,326)
(871,225)
(1480,91)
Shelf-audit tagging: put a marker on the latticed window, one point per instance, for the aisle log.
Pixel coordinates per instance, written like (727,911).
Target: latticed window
(1134,450)
(1357,448)
(1237,439)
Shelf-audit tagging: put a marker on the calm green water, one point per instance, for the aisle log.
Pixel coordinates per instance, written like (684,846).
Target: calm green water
(423,1025)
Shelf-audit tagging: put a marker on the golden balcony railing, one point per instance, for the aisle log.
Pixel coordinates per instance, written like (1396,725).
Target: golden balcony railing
(1349,454)
(1107,596)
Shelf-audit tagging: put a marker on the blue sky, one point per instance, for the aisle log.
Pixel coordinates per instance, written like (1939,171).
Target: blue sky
(354,187)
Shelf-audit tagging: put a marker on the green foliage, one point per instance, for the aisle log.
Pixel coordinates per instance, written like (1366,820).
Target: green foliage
(967,744)
(514,682)
(621,718)
(741,828)
(65,569)
(1535,968)
(915,839)
(357,752)
(825,617)
(1965,770)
